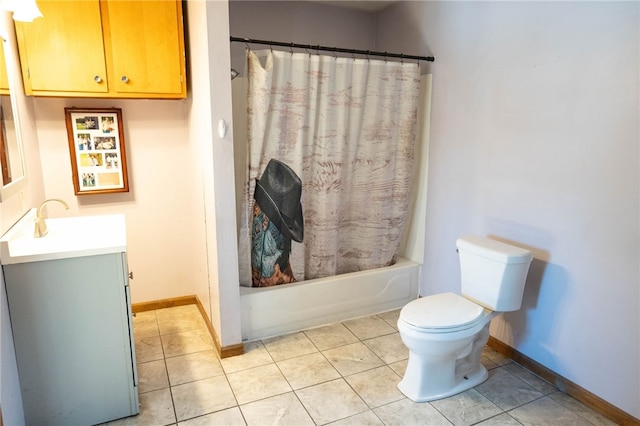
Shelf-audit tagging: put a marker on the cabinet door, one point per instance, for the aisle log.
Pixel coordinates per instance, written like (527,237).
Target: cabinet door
(144,40)
(4,79)
(63,51)
(71,331)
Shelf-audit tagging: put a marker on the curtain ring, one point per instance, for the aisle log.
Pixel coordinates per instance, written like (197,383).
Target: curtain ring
(402,58)
(385,57)
(367,55)
(291,48)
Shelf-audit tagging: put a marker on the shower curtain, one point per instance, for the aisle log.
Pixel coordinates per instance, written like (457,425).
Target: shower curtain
(346,127)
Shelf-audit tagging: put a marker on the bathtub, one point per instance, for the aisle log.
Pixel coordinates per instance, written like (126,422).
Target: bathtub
(282,309)
(272,311)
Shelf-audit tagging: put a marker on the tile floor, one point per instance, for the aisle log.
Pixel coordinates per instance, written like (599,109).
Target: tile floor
(341,374)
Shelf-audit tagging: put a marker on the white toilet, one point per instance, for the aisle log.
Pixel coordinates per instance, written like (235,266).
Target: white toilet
(445,333)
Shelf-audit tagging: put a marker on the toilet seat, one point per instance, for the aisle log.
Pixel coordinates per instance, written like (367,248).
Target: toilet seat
(441,313)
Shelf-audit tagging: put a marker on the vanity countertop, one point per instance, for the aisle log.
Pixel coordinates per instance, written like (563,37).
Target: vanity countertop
(72,236)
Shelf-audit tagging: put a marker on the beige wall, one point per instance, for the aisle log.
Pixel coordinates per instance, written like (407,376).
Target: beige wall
(162,199)
(209,34)
(179,228)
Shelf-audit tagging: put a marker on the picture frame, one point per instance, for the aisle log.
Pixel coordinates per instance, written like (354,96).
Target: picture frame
(97,150)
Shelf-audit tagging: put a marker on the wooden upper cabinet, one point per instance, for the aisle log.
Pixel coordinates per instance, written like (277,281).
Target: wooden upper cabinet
(104,48)
(63,52)
(4,78)
(144,58)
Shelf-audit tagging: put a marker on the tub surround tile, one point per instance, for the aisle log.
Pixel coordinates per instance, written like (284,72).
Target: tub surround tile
(258,383)
(195,366)
(331,401)
(202,397)
(307,370)
(466,408)
(289,346)
(369,327)
(330,336)
(407,412)
(353,358)
(283,409)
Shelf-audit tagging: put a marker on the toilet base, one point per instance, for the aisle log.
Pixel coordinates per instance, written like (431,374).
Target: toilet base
(462,383)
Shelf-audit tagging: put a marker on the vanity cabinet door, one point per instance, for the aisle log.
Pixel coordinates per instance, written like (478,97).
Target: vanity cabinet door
(147,49)
(63,52)
(71,327)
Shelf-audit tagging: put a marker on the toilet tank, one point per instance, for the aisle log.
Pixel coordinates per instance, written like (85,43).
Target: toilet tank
(493,273)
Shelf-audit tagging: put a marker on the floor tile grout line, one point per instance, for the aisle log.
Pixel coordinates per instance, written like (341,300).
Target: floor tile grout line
(519,379)
(385,364)
(164,360)
(277,366)
(173,402)
(341,376)
(499,363)
(235,397)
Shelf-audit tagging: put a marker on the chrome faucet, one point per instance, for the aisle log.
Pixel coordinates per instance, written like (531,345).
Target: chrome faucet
(41,225)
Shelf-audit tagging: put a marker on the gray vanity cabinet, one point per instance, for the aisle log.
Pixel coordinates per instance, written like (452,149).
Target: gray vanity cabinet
(71,322)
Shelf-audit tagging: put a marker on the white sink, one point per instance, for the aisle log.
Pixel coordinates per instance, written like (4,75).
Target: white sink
(73,236)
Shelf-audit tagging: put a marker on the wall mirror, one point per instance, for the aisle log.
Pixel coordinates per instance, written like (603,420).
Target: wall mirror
(11,154)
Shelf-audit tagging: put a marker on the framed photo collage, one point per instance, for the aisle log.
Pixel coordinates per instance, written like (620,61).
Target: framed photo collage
(97,149)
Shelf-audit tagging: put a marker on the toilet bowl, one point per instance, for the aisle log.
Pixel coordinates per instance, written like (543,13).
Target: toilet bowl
(445,333)
(444,359)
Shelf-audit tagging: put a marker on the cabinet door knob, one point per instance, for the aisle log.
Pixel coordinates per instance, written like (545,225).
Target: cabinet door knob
(97,79)
(124,79)
(130,275)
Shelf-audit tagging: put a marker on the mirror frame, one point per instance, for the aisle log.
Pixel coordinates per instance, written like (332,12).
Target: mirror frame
(10,55)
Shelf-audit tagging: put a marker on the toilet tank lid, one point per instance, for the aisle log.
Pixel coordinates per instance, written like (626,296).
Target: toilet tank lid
(493,249)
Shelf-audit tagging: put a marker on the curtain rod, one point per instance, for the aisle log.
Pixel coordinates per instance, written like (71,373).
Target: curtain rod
(332,49)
